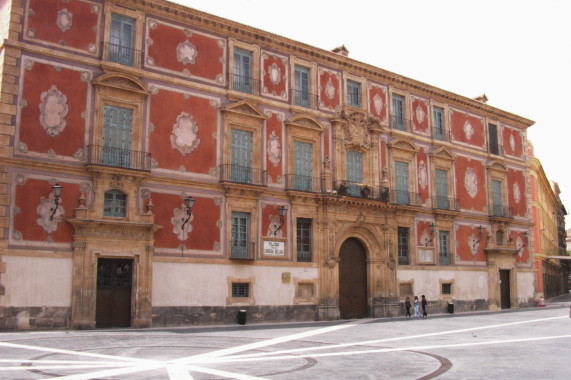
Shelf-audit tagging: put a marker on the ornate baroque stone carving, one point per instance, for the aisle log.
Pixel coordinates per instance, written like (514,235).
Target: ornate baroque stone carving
(53,111)
(356,129)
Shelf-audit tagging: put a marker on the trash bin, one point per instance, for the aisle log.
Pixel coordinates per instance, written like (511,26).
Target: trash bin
(242,317)
(450,308)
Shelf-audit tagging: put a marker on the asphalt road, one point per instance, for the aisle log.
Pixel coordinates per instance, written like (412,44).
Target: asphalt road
(523,344)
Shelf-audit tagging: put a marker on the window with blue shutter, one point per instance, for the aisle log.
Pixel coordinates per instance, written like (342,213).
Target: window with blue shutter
(354,172)
(242,71)
(116,144)
(114,204)
(241,156)
(398,112)
(121,39)
(438,123)
(442,189)
(240,235)
(444,244)
(301,95)
(353,93)
(401,186)
(497,197)
(303,166)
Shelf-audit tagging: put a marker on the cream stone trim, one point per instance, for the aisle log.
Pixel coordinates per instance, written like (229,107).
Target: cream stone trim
(406,108)
(255,49)
(445,119)
(300,300)
(363,90)
(312,66)
(250,300)
(497,171)
(443,159)
(447,296)
(139,17)
(306,129)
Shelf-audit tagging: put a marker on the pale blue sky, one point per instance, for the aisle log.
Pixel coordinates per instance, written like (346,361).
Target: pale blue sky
(516,52)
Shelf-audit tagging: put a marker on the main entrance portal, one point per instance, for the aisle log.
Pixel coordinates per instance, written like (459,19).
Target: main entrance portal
(113,303)
(505,289)
(352,280)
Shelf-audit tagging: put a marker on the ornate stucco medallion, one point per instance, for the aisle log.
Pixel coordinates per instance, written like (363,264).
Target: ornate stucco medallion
(186,53)
(473,244)
(329,89)
(179,216)
(275,74)
(184,137)
(274,149)
(512,142)
(471,182)
(422,175)
(53,111)
(517,193)
(420,114)
(64,20)
(48,222)
(468,130)
(273,227)
(378,104)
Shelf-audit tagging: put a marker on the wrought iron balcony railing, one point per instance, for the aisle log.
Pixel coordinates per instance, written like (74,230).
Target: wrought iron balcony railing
(445,260)
(304,99)
(121,158)
(400,123)
(405,198)
(244,84)
(403,260)
(359,190)
(501,211)
(303,183)
(242,250)
(123,55)
(242,174)
(354,100)
(441,134)
(445,203)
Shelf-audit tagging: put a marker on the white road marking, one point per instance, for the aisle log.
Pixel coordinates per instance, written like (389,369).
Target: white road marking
(226,374)
(113,372)
(178,372)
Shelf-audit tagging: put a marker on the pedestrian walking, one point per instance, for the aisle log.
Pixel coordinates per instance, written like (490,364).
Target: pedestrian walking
(407,306)
(416,306)
(424,304)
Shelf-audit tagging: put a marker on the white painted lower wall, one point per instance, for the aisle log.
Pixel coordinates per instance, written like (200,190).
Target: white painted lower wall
(37,281)
(466,285)
(525,286)
(176,284)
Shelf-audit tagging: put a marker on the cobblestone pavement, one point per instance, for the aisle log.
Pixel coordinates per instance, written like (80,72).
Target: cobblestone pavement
(523,344)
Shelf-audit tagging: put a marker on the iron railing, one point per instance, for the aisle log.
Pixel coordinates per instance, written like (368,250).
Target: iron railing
(441,134)
(123,55)
(242,250)
(400,123)
(304,99)
(359,190)
(303,183)
(242,174)
(121,158)
(354,100)
(403,260)
(501,211)
(445,260)
(445,203)
(498,150)
(405,198)
(244,84)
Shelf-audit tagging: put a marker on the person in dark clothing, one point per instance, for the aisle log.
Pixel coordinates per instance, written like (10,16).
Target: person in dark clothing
(424,304)
(407,306)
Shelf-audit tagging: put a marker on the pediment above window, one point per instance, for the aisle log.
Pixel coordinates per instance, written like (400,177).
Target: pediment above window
(443,154)
(122,82)
(244,108)
(497,167)
(403,145)
(305,121)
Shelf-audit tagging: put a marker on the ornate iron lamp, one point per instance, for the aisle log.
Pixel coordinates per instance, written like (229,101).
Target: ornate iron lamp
(189,202)
(480,232)
(56,189)
(432,232)
(283,211)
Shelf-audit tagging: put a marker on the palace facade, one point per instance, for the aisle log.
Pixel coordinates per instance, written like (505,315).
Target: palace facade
(208,167)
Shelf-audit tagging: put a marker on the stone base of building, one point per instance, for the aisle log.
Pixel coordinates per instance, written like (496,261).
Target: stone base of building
(34,318)
(383,309)
(328,313)
(197,315)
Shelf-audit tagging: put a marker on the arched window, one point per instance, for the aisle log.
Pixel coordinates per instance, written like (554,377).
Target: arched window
(115,204)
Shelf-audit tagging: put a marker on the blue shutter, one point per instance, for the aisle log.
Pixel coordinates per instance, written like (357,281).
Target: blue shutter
(116,144)
(442,189)
(398,112)
(241,156)
(303,166)
(497,197)
(240,235)
(121,40)
(444,248)
(438,123)
(114,203)
(401,179)
(353,93)
(302,86)
(242,70)
(354,172)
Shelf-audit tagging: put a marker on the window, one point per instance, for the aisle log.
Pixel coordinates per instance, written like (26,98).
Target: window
(446,289)
(303,166)
(241,156)
(301,94)
(353,93)
(240,290)
(114,204)
(354,172)
(401,179)
(240,235)
(496,198)
(438,123)
(500,237)
(304,239)
(444,244)
(242,80)
(442,189)
(493,132)
(121,39)
(116,144)
(398,112)
(403,245)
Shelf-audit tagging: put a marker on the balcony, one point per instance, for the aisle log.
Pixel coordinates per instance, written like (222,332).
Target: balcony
(359,190)
(304,99)
(123,55)
(354,100)
(500,211)
(405,198)
(403,260)
(242,250)
(242,174)
(119,158)
(399,123)
(244,84)
(441,134)
(303,183)
(445,203)
(496,150)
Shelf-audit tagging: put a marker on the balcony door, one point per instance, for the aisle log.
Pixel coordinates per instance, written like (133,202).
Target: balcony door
(303,170)
(441,189)
(401,179)
(121,40)
(354,172)
(302,86)
(116,144)
(241,156)
(497,197)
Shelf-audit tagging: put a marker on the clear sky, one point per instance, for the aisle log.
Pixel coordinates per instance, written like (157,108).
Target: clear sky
(516,52)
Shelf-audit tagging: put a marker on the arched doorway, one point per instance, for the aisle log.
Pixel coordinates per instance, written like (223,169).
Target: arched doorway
(352,280)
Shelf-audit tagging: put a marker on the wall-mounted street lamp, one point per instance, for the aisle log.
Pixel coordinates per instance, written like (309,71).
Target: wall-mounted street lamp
(480,232)
(56,189)
(189,202)
(432,233)
(525,237)
(283,211)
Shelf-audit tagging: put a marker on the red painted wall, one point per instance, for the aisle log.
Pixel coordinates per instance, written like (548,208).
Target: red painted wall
(479,200)
(465,236)
(40,79)
(523,256)
(534,194)
(373,92)
(166,106)
(28,198)
(83,28)
(510,135)
(536,229)
(273,125)
(420,116)
(324,100)
(205,232)
(474,136)
(422,176)
(421,227)
(278,89)
(163,50)
(516,192)
(270,214)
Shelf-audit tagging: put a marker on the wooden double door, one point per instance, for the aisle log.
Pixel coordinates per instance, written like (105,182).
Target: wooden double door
(114,285)
(352,280)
